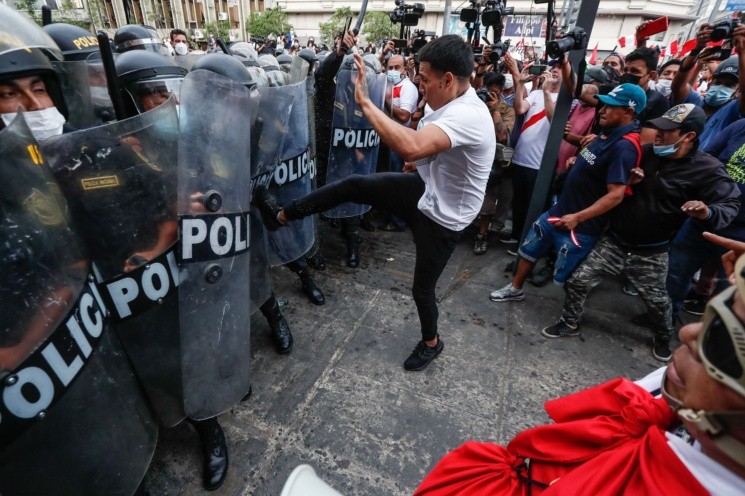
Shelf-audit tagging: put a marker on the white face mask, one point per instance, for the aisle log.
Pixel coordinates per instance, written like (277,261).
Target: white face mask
(43,123)
(664,86)
(181,49)
(508,82)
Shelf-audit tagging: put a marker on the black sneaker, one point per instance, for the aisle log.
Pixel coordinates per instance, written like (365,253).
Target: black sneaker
(560,330)
(423,355)
(694,307)
(661,350)
(268,207)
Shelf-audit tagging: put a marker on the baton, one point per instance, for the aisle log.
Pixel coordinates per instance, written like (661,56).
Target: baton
(46,15)
(223,46)
(107,58)
(360,17)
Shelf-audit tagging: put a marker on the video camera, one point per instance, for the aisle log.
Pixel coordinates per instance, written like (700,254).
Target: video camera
(493,11)
(420,39)
(724,30)
(407,15)
(575,39)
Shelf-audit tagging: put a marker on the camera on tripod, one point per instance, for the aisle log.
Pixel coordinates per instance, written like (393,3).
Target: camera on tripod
(725,29)
(407,15)
(575,39)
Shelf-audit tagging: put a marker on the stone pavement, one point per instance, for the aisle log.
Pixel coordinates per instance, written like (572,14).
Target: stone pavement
(342,402)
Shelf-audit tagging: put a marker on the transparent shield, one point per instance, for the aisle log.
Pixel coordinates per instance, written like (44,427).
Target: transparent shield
(354,142)
(298,70)
(85,91)
(44,264)
(120,182)
(293,179)
(81,423)
(214,207)
(18,31)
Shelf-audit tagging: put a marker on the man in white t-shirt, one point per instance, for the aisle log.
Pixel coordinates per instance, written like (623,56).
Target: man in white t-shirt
(452,151)
(538,109)
(401,100)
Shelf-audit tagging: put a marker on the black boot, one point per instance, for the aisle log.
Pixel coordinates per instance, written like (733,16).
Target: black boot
(215,452)
(310,289)
(316,262)
(279,326)
(353,252)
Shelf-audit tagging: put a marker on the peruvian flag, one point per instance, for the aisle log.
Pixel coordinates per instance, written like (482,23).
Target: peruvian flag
(594,55)
(627,40)
(687,47)
(674,48)
(663,51)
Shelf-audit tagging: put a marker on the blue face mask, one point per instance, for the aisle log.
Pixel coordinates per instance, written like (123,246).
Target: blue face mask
(666,150)
(718,95)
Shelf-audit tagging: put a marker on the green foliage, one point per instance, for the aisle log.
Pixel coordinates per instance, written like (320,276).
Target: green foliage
(377,26)
(29,7)
(270,22)
(334,25)
(68,14)
(219,29)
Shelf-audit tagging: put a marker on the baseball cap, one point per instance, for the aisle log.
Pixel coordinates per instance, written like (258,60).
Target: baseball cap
(729,67)
(595,73)
(625,95)
(685,115)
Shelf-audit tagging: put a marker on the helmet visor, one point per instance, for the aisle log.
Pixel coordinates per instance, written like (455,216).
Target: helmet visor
(149,94)
(18,31)
(722,342)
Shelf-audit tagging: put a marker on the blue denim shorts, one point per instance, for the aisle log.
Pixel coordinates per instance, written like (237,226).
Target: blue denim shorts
(543,238)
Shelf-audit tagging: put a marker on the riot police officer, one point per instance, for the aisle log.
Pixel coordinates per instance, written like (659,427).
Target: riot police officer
(148,80)
(97,431)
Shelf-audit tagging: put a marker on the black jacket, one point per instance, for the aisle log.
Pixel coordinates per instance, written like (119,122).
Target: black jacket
(647,219)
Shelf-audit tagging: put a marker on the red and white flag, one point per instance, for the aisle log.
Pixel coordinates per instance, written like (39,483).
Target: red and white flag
(627,41)
(594,55)
(687,47)
(674,48)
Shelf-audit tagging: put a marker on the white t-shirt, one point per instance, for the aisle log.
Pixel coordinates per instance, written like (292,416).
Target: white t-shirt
(455,179)
(405,96)
(532,141)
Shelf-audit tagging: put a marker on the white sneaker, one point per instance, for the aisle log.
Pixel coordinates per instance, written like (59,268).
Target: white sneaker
(507,293)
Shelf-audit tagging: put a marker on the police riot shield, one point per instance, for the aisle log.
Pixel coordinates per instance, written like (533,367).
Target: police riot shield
(86,93)
(292,180)
(120,181)
(299,69)
(354,142)
(269,113)
(188,60)
(213,206)
(73,419)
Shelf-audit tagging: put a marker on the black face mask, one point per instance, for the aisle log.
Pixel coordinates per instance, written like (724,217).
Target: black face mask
(630,78)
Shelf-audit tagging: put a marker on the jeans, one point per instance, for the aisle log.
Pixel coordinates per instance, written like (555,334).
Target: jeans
(395,193)
(688,253)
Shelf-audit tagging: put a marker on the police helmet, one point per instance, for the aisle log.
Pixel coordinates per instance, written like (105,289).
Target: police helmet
(146,77)
(285,61)
(309,55)
(268,62)
(75,42)
(25,51)
(246,52)
(225,65)
(258,75)
(137,37)
(373,63)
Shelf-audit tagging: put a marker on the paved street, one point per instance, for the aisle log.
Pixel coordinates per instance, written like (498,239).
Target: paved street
(343,403)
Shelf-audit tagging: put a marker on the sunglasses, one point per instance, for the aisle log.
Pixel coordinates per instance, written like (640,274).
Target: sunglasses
(721,343)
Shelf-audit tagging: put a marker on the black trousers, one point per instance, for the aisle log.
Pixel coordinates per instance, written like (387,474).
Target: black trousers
(397,194)
(523,182)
